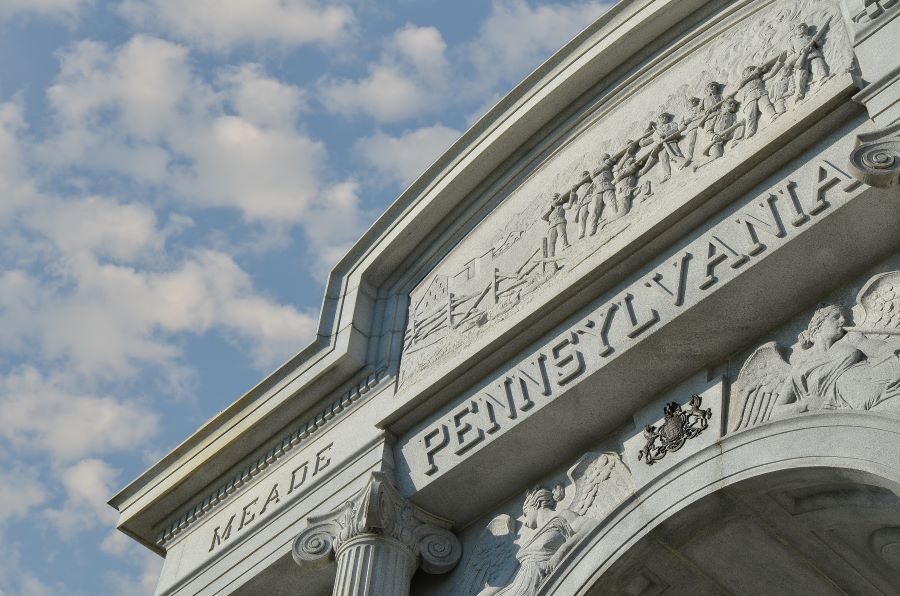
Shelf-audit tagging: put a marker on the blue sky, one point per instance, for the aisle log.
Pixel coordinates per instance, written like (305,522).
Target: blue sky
(176,179)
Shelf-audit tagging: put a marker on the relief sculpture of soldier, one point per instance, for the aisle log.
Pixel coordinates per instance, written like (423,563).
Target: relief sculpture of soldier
(627,177)
(838,367)
(605,198)
(555,216)
(726,128)
(583,202)
(691,124)
(755,99)
(810,68)
(665,134)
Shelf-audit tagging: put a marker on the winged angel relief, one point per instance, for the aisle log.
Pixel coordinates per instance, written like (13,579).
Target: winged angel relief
(839,367)
(513,559)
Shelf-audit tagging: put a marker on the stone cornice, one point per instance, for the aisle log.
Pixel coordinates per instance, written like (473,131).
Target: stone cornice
(284,446)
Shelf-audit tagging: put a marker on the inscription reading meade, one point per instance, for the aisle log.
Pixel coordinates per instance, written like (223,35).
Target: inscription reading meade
(718,255)
(253,509)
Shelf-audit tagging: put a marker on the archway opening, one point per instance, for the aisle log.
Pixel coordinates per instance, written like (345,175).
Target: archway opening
(803,531)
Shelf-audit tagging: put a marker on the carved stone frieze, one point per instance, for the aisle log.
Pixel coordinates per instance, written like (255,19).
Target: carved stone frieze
(676,429)
(512,558)
(839,366)
(876,158)
(874,10)
(378,511)
(703,107)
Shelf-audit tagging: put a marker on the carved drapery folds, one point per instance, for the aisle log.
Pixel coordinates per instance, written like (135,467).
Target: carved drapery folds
(381,527)
(512,558)
(876,158)
(838,366)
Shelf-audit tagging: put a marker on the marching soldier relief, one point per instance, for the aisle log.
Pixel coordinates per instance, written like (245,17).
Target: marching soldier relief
(637,332)
(781,71)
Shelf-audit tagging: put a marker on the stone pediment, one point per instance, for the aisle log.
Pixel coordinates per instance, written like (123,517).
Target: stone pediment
(646,148)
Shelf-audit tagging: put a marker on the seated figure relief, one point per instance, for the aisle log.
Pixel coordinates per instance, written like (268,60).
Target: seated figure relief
(511,558)
(838,366)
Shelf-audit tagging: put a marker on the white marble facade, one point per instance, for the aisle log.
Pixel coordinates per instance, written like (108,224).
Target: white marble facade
(637,332)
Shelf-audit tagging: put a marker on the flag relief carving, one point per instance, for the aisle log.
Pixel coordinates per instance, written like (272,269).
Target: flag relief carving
(641,150)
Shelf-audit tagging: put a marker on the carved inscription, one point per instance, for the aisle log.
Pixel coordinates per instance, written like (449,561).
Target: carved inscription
(253,508)
(643,156)
(715,257)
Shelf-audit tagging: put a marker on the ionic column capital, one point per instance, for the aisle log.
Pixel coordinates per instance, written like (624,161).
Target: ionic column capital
(378,516)
(876,158)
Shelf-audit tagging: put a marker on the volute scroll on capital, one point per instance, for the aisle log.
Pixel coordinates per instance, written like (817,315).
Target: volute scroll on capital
(379,510)
(876,158)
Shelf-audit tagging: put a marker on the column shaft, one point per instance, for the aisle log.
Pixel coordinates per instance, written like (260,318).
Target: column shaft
(373,565)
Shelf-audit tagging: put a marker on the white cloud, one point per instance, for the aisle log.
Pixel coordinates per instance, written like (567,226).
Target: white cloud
(88,484)
(387,94)
(140,111)
(410,79)
(144,582)
(403,158)
(422,47)
(518,36)
(97,225)
(56,9)
(21,491)
(110,318)
(262,100)
(223,24)
(45,416)
(333,226)
(16,187)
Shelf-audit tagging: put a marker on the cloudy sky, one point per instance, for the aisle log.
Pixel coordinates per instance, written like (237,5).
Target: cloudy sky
(176,179)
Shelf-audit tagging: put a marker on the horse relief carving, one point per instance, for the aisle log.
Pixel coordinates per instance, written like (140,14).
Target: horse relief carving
(512,558)
(838,366)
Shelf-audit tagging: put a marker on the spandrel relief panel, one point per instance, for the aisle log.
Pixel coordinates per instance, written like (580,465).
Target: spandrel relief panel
(743,80)
(844,356)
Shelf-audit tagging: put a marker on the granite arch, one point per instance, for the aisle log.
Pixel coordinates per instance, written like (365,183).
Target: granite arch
(862,449)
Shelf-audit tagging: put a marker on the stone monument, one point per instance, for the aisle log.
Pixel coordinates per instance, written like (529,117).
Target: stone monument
(637,332)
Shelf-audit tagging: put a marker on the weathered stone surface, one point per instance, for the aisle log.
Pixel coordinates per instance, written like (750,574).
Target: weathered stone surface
(636,333)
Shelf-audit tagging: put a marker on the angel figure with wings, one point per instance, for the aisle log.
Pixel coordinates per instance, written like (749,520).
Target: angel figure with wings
(509,563)
(841,367)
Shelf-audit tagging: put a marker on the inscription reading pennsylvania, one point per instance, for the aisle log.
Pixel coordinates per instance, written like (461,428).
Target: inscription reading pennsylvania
(640,154)
(679,281)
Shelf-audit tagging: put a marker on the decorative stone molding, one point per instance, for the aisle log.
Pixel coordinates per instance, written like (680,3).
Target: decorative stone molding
(278,450)
(394,534)
(702,114)
(874,10)
(876,158)
(845,367)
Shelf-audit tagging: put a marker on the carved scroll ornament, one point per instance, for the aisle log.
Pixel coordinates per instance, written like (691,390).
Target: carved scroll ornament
(379,510)
(840,367)
(876,158)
